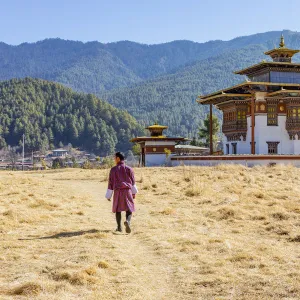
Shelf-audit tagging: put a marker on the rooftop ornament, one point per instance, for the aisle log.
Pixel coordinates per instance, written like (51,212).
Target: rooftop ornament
(156,130)
(282,54)
(281,44)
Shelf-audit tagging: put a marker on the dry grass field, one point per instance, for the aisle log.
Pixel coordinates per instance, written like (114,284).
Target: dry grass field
(225,232)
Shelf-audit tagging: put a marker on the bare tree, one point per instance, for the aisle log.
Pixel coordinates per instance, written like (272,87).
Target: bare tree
(12,156)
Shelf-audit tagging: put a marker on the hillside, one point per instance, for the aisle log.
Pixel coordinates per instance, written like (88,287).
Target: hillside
(218,232)
(93,67)
(50,113)
(152,82)
(84,67)
(171,99)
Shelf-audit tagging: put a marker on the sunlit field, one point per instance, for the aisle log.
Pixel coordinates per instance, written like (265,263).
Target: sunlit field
(225,232)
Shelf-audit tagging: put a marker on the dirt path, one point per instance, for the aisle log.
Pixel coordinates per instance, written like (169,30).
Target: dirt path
(143,274)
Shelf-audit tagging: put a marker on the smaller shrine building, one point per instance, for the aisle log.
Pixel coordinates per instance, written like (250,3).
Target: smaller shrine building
(156,148)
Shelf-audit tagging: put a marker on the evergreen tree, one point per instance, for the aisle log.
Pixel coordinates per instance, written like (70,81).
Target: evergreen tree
(204,132)
(53,116)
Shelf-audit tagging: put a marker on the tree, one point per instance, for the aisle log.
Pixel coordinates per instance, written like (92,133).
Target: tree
(168,152)
(195,142)
(12,156)
(136,149)
(57,163)
(44,164)
(56,115)
(74,162)
(204,131)
(108,162)
(87,165)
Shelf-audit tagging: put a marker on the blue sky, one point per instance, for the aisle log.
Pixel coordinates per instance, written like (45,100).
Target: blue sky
(152,21)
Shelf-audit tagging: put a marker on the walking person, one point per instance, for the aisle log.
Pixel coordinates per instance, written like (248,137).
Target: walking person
(121,185)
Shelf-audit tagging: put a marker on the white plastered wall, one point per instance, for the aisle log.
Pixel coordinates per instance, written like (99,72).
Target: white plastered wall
(263,134)
(152,160)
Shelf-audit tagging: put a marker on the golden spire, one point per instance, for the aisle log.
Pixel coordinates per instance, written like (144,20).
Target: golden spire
(281,44)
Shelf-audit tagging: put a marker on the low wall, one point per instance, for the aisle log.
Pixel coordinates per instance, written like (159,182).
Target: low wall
(246,160)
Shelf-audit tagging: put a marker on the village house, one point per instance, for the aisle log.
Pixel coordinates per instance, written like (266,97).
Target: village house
(60,153)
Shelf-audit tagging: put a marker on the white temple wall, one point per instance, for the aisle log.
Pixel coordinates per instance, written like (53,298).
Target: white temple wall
(243,147)
(159,143)
(241,161)
(264,134)
(152,160)
(296,146)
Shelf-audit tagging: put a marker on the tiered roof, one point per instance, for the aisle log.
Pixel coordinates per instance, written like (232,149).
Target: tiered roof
(282,62)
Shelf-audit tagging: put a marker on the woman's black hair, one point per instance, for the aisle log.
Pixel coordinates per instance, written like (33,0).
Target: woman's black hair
(120,155)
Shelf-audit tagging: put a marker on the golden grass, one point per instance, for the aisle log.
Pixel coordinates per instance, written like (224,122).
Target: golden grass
(224,232)
(27,289)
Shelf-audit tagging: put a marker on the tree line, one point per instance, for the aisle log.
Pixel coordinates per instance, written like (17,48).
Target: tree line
(50,114)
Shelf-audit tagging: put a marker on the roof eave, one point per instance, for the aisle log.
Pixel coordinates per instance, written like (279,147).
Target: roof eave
(292,51)
(212,96)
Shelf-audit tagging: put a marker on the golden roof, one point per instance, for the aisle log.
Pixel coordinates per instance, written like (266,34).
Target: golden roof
(282,50)
(231,92)
(266,64)
(156,126)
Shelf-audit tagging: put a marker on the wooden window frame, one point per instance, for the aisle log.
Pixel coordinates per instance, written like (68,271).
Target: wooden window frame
(272,148)
(272,115)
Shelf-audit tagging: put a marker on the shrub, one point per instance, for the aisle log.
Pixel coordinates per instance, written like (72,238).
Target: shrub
(108,162)
(57,163)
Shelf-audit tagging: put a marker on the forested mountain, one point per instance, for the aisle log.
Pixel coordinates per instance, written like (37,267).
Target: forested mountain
(171,99)
(49,113)
(94,67)
(153,82)
(84,67)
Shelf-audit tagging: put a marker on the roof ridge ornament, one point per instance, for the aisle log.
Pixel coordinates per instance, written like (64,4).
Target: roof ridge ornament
(282,54)
(282,44)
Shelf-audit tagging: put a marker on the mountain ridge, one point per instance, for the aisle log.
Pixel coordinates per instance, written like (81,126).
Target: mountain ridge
(134,76)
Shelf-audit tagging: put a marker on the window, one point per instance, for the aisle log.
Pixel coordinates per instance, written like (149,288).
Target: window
(272,147)
(260,78)
(229,116)
(241,115)
(285,77)
(242,119)
(294,113)
(227,148)
(233,148)
(272,119)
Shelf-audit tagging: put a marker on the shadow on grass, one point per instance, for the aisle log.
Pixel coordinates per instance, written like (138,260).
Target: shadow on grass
(66,234)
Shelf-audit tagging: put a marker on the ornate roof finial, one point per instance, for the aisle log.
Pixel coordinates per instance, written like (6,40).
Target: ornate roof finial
(281,44)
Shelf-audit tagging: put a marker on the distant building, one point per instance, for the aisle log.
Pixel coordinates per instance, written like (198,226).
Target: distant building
(59,153)
(156,147)
(191,150)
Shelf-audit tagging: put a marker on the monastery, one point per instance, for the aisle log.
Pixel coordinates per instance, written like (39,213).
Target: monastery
(262,114)
(261,117)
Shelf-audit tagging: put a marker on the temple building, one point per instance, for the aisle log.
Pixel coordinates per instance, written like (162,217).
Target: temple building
(156,148)
(262,114)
